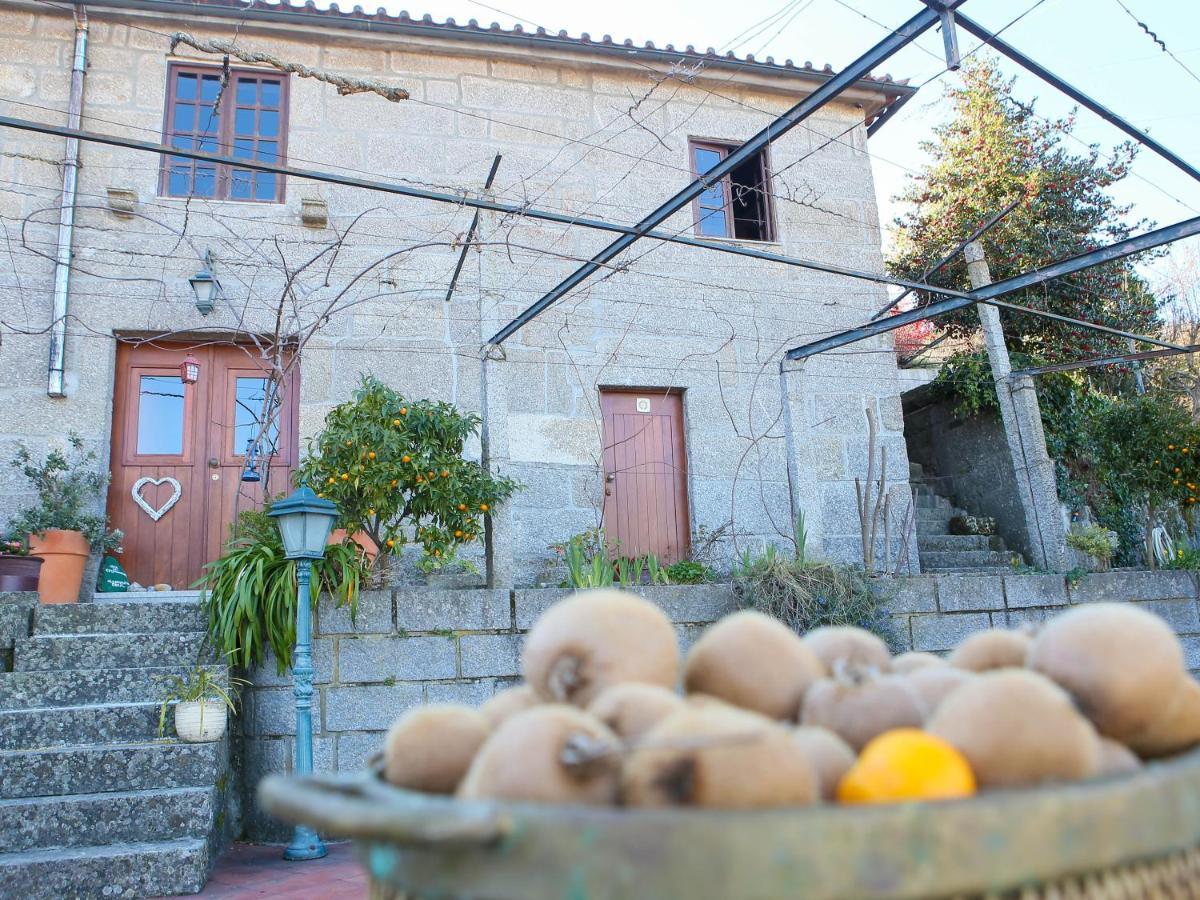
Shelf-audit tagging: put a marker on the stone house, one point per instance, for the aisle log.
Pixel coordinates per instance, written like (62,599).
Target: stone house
(652,397)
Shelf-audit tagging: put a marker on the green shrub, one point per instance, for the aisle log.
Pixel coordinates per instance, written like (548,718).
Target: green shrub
(807,595)
(1094,540)
(689,571)
(587,557)
(249,593)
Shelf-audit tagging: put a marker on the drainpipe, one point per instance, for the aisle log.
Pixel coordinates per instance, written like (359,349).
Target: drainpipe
(66,213)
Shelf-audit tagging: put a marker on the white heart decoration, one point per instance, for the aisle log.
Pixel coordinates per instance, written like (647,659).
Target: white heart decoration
(153,513)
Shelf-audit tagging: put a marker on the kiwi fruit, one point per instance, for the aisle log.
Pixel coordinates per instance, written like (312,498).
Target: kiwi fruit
(430,748)
(594,639)
(509,702)
(830,756)
(1116,759)
(857,704)
(1017,728)
(845,643)
(1176,728)
(996,648)
(553,753)
(1121,664)
(932,684)
(752,661)
(718,757)
(914,660)
(632,708)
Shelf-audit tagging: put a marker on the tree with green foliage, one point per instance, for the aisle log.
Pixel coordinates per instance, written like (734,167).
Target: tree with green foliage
(396,470)
(991,150)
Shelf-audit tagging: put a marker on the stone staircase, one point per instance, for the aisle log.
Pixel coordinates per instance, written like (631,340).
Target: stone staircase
(944,552)
(92,802)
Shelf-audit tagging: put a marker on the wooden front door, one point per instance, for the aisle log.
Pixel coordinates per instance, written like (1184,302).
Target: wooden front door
(645,474)
(170,438)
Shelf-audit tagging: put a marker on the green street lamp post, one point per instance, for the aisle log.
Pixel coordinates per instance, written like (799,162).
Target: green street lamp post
(304,521)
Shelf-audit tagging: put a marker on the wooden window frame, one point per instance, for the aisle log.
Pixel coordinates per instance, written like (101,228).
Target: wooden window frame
(225,134)
(724,148)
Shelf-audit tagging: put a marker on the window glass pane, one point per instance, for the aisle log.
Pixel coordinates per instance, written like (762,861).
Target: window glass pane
(268,151)
(243,148)
(181,141)
(208,120)
(206,182)
(185,117)
(210,87)
(269,96)
(185,87)
(706,159)
(712,222)
(247,91)
(713,197)
(250,410)
(179,179)
(268,123)
(264,186)
(240,185)
(160,415)
(243,121)
(208,144)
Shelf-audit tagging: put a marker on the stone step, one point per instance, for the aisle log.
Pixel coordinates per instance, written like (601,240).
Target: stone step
(22,690)
(965,559)
(35,823)
(916,471)
(103,617)
(951,542)
(58,771)
(46,653)
(966,570)
(116,870)
(930,501)
(29,729)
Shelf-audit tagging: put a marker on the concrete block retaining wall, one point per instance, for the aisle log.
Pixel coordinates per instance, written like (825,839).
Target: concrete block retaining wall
(412,646)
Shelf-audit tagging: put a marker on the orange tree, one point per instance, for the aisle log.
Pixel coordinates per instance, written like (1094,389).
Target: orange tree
(396,471)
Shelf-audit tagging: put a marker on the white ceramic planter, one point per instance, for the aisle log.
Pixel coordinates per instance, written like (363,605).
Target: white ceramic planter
(197,721)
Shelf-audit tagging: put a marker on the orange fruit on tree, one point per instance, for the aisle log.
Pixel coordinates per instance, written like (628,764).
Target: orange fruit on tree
(390,542)
(404,410)
(371,455)
(462,507)
(433,474)
(445,473)
(458,534)
(345,476)
(395,421)
(406,458)
(907,764)
(483,506)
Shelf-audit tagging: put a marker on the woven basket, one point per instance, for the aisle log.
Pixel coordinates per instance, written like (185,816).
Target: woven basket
(1130,837)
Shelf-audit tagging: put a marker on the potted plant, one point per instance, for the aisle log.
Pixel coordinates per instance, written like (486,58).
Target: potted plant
(202,706)
(19,568)
(60,525)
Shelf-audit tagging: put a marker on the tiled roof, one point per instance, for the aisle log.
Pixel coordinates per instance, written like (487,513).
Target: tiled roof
(382,20)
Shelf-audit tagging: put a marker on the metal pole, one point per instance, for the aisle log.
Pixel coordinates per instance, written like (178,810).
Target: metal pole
(305,842)
(55,382)
(462,257)
(464,199)
(885,49)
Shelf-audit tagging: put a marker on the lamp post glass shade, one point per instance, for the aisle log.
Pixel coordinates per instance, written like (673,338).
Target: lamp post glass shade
(206,288)
(304,521)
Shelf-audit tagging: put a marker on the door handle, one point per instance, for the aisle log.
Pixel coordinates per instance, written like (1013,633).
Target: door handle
(214,463)
(609,478)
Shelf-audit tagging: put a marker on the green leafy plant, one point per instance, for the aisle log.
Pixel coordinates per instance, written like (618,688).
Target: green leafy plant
(800,537)
(197,684)
(395,469)
(249,593)
(1185,558)
(587,557)
(806,595)
(689,571)
(68,485)
(1094,540)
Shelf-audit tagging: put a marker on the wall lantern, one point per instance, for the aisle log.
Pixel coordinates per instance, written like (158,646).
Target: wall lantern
(189,370)
(205,286)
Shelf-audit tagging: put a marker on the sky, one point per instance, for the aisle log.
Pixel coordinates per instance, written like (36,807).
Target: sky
(1095,44)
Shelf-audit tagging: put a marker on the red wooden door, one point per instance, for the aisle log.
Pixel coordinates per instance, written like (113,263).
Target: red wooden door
(172,439)
(645,474)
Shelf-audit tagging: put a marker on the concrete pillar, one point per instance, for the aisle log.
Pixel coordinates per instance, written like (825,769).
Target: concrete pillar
(1022,418)
(494,441)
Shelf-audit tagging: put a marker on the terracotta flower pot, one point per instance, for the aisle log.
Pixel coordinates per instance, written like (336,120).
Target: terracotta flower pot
(19,573)
(64,555)
(361,538)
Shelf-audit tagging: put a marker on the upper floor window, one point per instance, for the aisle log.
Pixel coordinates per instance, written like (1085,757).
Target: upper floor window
(739,205)
(246,119)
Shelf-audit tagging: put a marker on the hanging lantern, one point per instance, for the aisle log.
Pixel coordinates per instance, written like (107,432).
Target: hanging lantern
(189,370)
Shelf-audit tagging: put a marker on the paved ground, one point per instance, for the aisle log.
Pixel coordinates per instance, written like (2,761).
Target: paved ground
(255,870)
